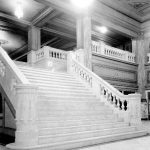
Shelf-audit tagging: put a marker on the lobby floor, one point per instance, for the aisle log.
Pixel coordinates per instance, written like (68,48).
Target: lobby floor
(142,143)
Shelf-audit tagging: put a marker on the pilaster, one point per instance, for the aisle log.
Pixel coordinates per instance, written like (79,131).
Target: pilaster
(142,48)
(84,38)
(34,38)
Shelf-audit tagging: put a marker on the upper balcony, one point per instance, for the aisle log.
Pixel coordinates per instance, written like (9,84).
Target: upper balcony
(115,53)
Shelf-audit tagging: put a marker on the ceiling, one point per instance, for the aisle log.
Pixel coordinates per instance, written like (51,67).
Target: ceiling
(57,21)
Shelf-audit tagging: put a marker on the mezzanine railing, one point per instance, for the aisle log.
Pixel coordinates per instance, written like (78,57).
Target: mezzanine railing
(105,50)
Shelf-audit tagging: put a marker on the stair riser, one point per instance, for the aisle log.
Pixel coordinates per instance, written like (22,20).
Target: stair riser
(66,98)
(57,118)
(56,131)
(47,124)
(42,71)
(74,106)
(56,82)
(55,86)
(64,91)
(51,84)
(66,95)
(59,138)
(75,114)
(46,89)
(67,110)
(90,142)
(53,79)
(47,75)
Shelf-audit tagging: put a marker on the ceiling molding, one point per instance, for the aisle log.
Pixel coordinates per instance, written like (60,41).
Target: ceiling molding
(68,45)
(13,18)
(54,43)
(49,41)
(59,5)
(24,47)
(103,15)
(41,15)
(49,17)
(129,33)
(60,33)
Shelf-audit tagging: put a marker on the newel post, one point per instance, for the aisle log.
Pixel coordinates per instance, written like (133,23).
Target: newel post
(134,108)
(31,57)
(70,56)
(26,116)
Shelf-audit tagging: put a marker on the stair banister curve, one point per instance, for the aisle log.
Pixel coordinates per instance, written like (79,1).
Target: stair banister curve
(23,97)
(127,107)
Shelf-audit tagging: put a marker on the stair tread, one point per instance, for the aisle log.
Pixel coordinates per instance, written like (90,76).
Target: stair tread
(104,139)
(128,127)
(87,117)
(98,124)
(42,71)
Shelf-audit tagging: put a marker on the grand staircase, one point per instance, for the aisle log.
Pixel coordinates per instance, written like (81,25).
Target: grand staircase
(70,115)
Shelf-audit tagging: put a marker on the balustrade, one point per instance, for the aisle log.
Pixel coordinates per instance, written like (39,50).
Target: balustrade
(23,96)
(123,105)
(49,52)
(105,50)
(148,57)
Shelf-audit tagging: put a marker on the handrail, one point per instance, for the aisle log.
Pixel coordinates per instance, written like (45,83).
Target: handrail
(14,70)
(109,86)
(10,76)
(125,106)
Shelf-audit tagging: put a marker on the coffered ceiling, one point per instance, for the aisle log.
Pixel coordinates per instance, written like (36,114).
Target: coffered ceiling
(57,21)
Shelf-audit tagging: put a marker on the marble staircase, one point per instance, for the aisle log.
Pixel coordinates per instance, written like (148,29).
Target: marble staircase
(70,115)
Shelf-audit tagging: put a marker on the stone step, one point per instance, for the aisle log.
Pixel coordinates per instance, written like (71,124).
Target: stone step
(61,92)
(76,94)
(72,110)
(72,105)
(74,113)
(75,122)
(40,75)
(77,117)
(75,102)
(42,71)
(65,97)
(59,86)
(79,128)
(55,83)
(74,144)
(71,98)
(47,89)
(83,135)
(53,79)
(34,68)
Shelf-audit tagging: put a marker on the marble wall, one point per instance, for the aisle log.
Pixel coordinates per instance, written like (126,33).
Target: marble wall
(121,74)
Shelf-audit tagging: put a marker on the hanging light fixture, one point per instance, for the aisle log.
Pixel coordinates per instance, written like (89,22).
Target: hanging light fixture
(19,10)
(82,4)
(103,29)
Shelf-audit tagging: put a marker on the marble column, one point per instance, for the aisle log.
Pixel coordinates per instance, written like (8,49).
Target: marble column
(142,48)
(134,44)
(34,38)
(83,31)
